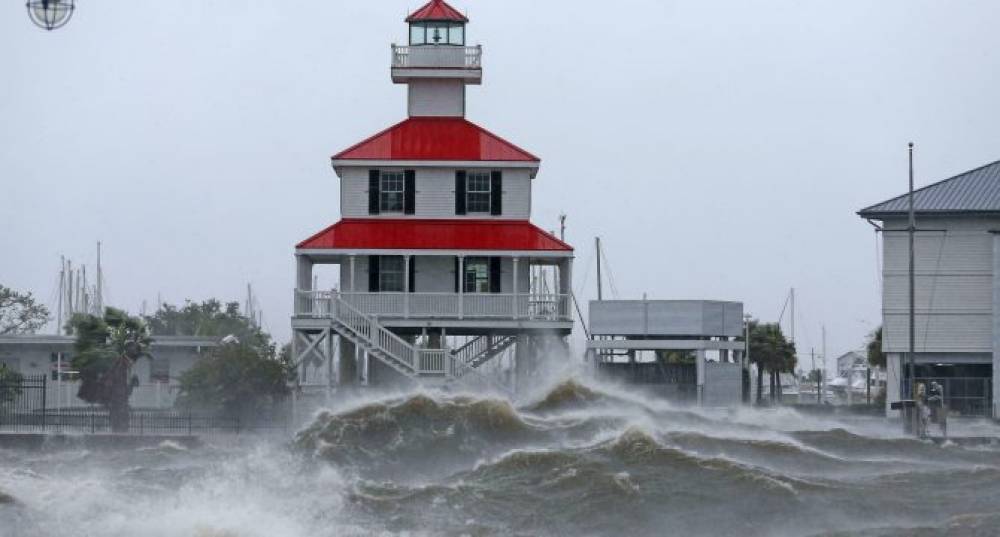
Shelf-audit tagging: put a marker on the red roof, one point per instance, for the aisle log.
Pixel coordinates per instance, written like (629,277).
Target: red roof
(435,138)
(398,234)
(436,10)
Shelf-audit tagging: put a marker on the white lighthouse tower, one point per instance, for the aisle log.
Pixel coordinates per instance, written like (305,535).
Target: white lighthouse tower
(439,263)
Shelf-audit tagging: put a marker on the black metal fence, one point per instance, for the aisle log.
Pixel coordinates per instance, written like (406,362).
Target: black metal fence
(966,396)
(23,409)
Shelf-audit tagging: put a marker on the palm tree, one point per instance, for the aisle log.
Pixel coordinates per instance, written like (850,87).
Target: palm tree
(876,358)
(106,349)
(771,351)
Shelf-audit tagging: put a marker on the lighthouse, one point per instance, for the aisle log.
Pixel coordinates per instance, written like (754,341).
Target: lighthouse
(441,272)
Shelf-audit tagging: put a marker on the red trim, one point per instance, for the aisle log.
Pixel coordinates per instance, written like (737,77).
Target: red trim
(437,10)
(419,234)
(435,138)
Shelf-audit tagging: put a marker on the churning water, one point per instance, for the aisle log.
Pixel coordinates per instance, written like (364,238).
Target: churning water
(578,460)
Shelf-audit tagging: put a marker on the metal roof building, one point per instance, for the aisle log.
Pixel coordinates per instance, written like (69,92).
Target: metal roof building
(974,191)
(956,339)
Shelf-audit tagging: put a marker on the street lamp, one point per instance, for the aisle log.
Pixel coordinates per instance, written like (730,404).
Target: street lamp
(50,14)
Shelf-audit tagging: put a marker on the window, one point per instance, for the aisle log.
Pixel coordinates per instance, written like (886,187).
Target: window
(456,34)
(390,275)
(391,188)
(477,275)
(437,33)
(477,192)
(417,34)
(159,370)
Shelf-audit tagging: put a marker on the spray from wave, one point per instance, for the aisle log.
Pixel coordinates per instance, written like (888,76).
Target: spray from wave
(575,458)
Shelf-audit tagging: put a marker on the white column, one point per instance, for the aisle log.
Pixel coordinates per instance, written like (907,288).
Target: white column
(700,365)
(406,287)
(352,288)
(303,282)
(566,287)
(517,299)
(461,286)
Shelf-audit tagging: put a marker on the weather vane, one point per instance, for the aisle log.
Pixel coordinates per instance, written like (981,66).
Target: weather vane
(50,14)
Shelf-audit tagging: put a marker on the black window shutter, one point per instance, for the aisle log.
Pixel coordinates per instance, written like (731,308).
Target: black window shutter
(460,192)
(410,192)
(496,192)
(373,188)
(413,273)
(373,274)
(495,274)
(458,277)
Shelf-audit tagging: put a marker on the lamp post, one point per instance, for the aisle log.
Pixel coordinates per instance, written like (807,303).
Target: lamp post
(50,14)
(745,375)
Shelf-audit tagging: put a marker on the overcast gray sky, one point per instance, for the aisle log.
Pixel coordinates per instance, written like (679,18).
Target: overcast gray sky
(720,148)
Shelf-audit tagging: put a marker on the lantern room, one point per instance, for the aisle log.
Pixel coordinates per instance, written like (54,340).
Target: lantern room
(436,49)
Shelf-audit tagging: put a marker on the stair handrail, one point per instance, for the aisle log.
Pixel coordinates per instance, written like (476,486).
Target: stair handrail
(467,368)
(470,350)
(366,327)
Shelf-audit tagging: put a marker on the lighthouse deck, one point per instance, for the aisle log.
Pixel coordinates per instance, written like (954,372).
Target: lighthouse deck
(495,312)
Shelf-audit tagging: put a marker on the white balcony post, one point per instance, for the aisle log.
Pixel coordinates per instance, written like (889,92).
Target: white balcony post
(461,286)
(351,289)
(517,299)
(565,287)
(406,287)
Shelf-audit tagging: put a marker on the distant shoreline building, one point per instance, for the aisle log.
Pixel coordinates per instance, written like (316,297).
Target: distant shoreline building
(51,356)
(957,267)
(440,268)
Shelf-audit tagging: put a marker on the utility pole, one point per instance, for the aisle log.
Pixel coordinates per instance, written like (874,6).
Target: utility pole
(597,243)
(745,373)
(912,228)
(793,316)
(819,375)
(823,373)
(910,411)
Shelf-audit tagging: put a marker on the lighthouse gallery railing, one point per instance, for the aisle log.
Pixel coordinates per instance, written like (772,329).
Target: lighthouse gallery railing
(437,56)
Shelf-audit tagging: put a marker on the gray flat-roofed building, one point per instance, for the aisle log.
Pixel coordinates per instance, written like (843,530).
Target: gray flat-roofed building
(666,318)
(957,288)
(684,347)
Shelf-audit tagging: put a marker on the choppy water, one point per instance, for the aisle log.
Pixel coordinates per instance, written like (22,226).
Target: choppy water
(576,460)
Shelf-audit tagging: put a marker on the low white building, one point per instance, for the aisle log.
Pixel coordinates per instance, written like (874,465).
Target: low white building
(957,289)
(158,378)
(849,360)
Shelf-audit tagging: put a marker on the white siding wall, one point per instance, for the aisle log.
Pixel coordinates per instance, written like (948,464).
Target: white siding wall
(436,98)
(436,194)
(954,286)
(436,274)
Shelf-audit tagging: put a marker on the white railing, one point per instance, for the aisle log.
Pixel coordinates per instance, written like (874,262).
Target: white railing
(387,304)
(375,334)
(550,307)
(314,303)
(434,361)
(433,305)
(441,56)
